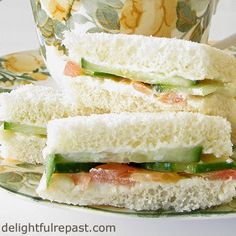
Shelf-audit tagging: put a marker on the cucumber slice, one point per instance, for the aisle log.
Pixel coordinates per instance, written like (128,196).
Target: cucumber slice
(50,167)
(197,90)
(207,167)
(57,164)
(22,128)
(200,89)
(146,77)
(102,74)
(74,167)
(179,155)
(191,168)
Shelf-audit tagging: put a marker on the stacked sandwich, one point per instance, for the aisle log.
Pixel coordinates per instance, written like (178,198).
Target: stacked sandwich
(24,113)
(165,141)
(147,74)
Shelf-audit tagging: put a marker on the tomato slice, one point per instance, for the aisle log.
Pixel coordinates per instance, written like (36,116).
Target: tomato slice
(222,175)
(113,173)
(83,179)
(72,69)
(172,98)
(141,87)
(127,175)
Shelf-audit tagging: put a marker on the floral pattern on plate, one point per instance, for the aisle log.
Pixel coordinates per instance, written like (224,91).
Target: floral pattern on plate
(21,68)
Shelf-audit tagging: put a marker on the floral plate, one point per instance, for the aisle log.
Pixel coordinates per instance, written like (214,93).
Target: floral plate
(23,178)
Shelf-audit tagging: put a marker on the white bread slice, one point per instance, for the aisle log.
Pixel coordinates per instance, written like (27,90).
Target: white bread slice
(172,57)
(185,195)
(108,96)
(139,132)
(33,105)
(30,104)
(21,147)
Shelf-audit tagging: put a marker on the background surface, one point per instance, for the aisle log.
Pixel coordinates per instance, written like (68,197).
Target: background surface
(17,33)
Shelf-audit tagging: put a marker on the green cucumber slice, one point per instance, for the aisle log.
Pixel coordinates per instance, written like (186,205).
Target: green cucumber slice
(77,162)
(146,77)
(74,167)
(56,163)
(200,89)
(207,167)
(179,155)
(102,74)
(50,167)
(22,128)
(196,90)
(191,168)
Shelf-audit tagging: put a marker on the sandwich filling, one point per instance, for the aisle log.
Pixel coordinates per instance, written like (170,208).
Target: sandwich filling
(24,128)
(22,142)
(164,170)
(151,83)
(138,146)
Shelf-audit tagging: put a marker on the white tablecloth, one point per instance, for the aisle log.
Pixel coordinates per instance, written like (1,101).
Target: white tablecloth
(16,34)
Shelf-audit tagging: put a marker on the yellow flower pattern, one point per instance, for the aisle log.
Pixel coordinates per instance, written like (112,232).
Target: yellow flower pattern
(185,19)
(149,17)
(21,68)
(58,9)
(16,62)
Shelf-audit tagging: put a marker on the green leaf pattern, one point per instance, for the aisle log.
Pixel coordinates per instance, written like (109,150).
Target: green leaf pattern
(193,18)
(107,17)
(50,30)
(11,79)
(20,177)
(188,19)
(197,33)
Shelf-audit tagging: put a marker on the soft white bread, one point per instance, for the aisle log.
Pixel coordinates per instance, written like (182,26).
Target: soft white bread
(35,105)
(185,195)
(172,57)
(21,147)
(139,132)
(32,104)
(108,96)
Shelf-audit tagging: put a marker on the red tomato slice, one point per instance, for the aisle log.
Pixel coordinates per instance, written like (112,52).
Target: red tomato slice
(172,98)
(83,179)
(113,173)
(222,175)
(126,175)
(141,87)
(72,69)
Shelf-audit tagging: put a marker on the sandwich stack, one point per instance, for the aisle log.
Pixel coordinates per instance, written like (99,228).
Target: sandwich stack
(134,73)
(25,112)
(141,161)
(165,141)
